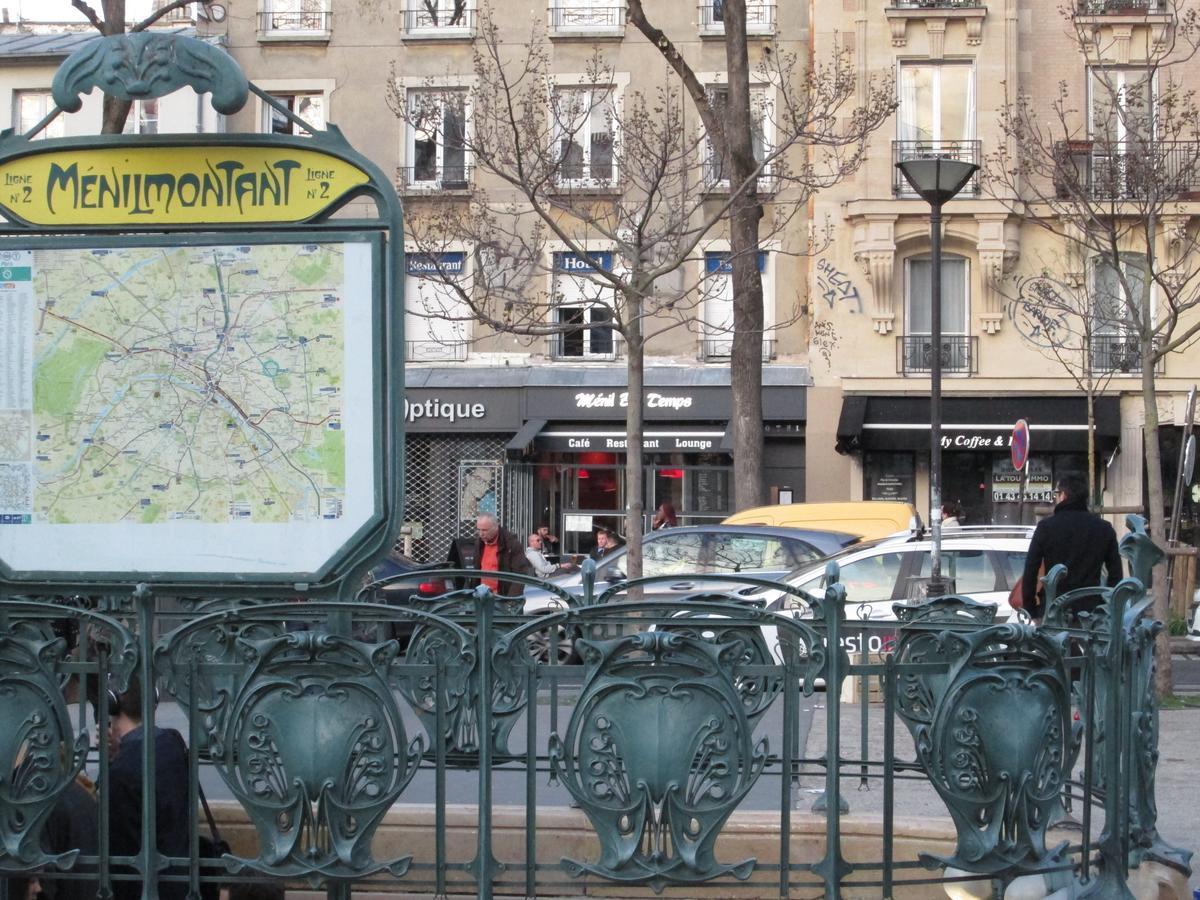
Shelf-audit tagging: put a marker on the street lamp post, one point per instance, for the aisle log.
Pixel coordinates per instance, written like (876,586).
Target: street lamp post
(936,179)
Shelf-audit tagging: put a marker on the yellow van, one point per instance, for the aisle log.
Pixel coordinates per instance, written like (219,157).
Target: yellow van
(868,518)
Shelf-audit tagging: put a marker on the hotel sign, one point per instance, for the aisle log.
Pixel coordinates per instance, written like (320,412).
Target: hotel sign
(154,185)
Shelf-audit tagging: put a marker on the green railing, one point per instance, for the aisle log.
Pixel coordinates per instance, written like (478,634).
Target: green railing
(319,719)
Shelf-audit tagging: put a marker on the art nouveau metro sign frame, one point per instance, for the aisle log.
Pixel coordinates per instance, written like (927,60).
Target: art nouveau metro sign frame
(201,379)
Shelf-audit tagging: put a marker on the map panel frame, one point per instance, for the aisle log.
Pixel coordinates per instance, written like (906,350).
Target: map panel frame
(150,552)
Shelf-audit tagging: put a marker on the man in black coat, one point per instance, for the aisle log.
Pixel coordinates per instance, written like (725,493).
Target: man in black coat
(1080,540)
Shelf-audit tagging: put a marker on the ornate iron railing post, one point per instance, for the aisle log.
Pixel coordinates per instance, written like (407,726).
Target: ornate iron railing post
(484,865)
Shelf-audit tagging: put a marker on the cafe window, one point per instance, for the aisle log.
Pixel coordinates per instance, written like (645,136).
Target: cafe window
(890,476)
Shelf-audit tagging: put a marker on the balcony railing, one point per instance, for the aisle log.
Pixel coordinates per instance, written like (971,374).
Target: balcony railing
(963,151)
(914,354)
(308,723)
(420,21)
(1119,354)
(418,179)
(439,351)
(760,18)
(936,4)
(587,19)
(1129,170)
(722,348)
(1120,7)
(595,342)
(295,22)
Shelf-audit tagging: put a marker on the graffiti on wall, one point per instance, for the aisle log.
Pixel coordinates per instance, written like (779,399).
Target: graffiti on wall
(1041,314)
(825,340)
(836,287)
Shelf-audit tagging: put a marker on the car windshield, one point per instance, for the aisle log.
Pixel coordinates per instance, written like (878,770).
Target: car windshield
(741,553)
(852,550)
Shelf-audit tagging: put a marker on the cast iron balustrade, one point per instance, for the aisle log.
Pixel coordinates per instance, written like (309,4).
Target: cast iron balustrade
(959,354)
(722,348)
(425,351)
(587,19)
(311,721)
(1120,354)
(962,151)
(422,179)
(760,17)
(1129,170)
(1111,7)
(419,21)
(297,22)
(936,4)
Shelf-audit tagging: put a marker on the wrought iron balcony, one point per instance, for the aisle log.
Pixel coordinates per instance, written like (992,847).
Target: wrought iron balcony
(936,4)
(713,348)
(1119,354)
(1120,7)
(963,151)
(424,179)
(760,18)
(587,19)
(295,23)
(422,22)
(1130,170)
(914,354)
(435,351)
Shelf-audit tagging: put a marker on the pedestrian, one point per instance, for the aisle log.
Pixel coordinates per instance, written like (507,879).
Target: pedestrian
(950,515)
(1080,540)
(172,814)
(498,550)
(549,541)
(605,544)
(664,517)
(537,558)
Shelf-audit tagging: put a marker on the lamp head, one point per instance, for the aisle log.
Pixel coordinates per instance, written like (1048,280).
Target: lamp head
(937,178)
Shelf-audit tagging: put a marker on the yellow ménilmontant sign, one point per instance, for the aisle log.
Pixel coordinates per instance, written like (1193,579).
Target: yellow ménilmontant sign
(174,185)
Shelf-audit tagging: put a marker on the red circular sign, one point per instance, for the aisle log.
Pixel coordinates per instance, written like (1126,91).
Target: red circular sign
(1019,446)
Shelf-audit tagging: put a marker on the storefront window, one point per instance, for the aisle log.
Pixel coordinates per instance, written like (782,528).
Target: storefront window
(890,476)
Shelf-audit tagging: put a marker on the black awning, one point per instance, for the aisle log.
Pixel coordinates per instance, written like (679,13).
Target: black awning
(521,442)
(1056,424)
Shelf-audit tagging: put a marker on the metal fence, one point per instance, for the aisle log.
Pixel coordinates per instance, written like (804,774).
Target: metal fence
(319,718)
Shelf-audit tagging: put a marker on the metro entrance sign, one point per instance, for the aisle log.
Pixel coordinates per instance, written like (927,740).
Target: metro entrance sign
(163,418)
(1019,446)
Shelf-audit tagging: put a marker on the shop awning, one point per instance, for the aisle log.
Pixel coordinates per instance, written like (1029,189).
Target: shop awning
(521,442)
(1056,424)
(612,439)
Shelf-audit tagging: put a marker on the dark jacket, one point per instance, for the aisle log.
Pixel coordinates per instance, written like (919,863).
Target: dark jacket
(73,824)
(171,811)
(512,559)
(1080,540)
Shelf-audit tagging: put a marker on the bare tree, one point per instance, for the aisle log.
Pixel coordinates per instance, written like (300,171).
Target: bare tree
(110,20)
(818,114)
(618,181)
(1056,314)
(1113,182)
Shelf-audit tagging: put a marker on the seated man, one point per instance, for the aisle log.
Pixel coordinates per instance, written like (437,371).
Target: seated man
(537,558)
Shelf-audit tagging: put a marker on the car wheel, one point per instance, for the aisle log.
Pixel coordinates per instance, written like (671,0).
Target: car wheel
(540,649)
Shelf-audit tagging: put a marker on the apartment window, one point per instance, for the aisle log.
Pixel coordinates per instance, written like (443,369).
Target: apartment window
(30,107)
(589,16)
(937,103)
(438,17)
(309,106)
(716,167)
(760,17)
(437,133)
(295,17)
(143,117)
(957,346)
(717,312)
(582,300)
(585,122)
(1121,106)
(436,320)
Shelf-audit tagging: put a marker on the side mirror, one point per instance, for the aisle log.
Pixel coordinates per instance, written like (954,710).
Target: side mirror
(616,576)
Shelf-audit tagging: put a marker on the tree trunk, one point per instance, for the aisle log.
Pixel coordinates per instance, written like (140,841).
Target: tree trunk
(116,111)
(1158,526)
(635,368)
(745,365)
(1093,492)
